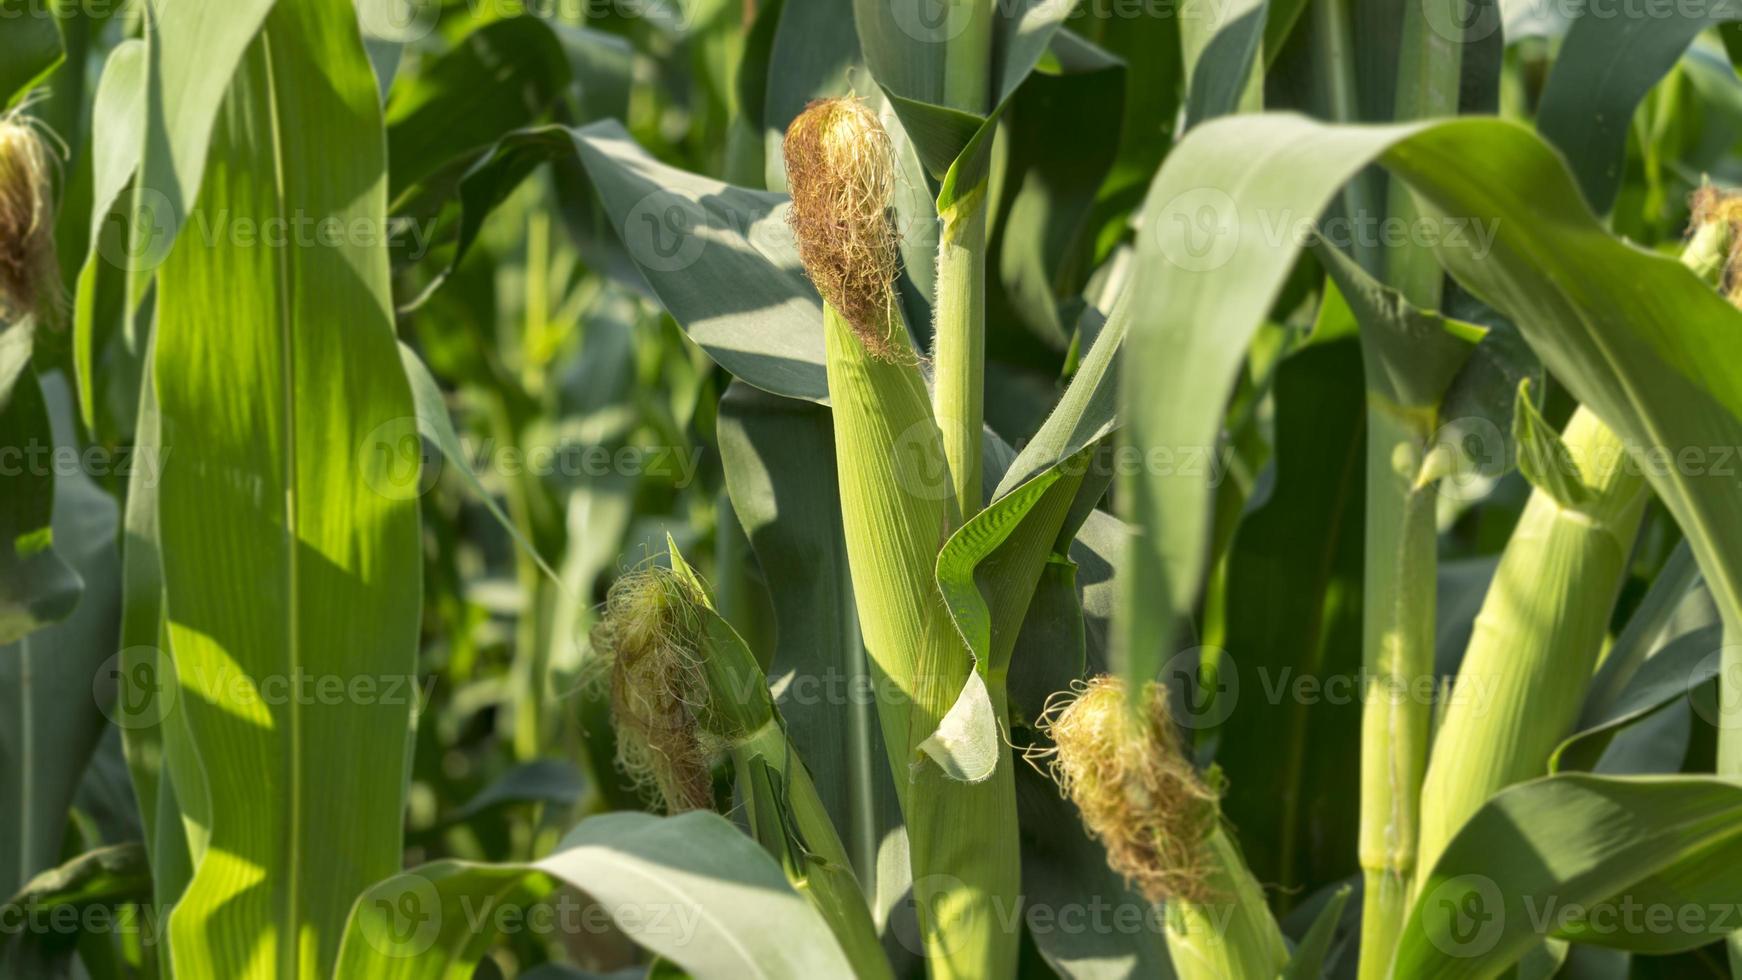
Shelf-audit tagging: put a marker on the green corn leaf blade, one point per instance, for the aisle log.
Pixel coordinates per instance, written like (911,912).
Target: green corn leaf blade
(117,137)
(142,616)
(549,781)
(154,735)
(193,50)
(291,559)
(1542,456)
(813,50)
(1085,921)
(1594,845)
(1604,69)
(720,258)
(1413,355)
(1150,47)
(1673,672)
(55,698)
(1051,650)
(689,888)
(575,74)
(115,872)
(1308,961)
(106,876)
(1635,336)
(904,44)
(1293,615)
(792,516)
(1063,140)
(31,50)
(37,586)
(500,77)
(1676,586)
(407,472)
(1222,43)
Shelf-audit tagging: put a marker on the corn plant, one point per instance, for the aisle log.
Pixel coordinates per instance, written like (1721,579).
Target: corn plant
(876,488)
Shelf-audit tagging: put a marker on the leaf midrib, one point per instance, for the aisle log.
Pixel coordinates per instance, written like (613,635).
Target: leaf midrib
(289,941)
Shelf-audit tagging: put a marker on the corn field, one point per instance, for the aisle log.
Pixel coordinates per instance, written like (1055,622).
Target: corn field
(955,489)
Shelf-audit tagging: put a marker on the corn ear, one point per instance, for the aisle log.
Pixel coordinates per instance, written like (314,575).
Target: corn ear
(1233,935)
(787,817)
(896,515)
(1120,760)
(1539,634)
(898,508)
(1536,641)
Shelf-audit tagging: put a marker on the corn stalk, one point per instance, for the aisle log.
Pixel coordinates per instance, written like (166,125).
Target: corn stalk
(1401,561)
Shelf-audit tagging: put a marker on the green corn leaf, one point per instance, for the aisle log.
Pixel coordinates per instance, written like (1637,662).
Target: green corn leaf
(1576,293)
(1543,458)
(193,50)
(689,888)
(548,781)
(1060,154)
(1308,960)
(37,586)
(1673,672)
(791,514)
(905,45)
(1604,69)
(500,77)
(31,50)
(1658,611)
(54,677)
(1222,43)
(401,444)
(1570,855)
(106,876)
(1293,588)
(718,257)
(291,560)
(117,134)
